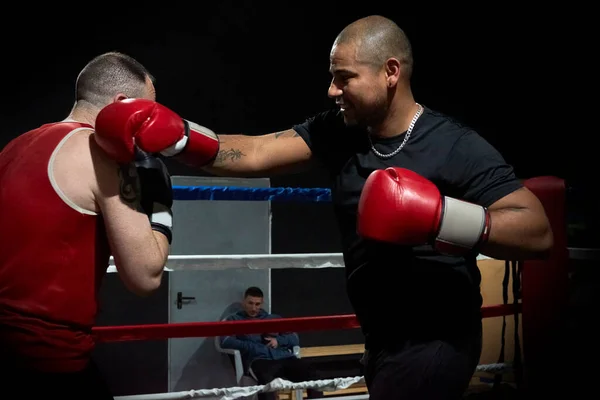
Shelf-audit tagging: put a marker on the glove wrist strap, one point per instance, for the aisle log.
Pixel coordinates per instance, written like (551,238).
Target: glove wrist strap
(161,220)
(464,226)
(162,229)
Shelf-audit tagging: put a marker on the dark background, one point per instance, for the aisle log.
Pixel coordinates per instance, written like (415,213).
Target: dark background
(516,75)
(250,67)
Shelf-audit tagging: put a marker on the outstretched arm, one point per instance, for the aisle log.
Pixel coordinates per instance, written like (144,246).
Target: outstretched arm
(123,125)
(261,156)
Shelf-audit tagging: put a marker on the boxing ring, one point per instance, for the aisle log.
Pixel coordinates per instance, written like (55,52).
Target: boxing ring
(540,289)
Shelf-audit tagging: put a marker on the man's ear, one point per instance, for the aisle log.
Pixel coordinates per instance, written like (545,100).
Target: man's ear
(392,72)
(119,97)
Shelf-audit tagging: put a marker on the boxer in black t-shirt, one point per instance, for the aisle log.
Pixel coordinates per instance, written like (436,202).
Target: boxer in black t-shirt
(418,303)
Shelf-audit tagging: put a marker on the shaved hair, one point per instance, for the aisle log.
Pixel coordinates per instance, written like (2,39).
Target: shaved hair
(109,74)
(377,39)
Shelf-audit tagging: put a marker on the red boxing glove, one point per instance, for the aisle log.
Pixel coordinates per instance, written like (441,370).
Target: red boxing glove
(400,206)
(122,125)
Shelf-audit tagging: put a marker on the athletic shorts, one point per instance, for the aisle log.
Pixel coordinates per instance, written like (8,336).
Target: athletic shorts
(423,370)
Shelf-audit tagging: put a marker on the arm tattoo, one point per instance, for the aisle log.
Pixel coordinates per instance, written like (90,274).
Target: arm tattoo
(129,188)
(229,155)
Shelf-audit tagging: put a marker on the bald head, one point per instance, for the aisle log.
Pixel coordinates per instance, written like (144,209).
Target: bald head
(377,39)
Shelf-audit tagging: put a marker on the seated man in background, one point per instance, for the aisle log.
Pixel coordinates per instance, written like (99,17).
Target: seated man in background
(270,355)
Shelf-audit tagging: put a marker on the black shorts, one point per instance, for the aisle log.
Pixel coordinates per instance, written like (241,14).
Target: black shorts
(423,370)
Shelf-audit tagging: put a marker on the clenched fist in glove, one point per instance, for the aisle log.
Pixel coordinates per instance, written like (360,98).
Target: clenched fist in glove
(400,206)
(152,127)
(156,192)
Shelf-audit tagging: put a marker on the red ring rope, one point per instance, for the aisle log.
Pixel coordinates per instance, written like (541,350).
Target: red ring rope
(223,328)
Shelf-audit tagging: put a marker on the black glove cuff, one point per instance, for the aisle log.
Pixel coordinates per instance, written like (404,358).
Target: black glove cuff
(163,229)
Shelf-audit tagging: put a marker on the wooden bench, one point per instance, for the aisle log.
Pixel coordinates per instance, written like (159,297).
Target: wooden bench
(339,350)
(325,351)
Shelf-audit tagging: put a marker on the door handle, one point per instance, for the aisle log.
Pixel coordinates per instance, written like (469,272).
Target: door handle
(181,298)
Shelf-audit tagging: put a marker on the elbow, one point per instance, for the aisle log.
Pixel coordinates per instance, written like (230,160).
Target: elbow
(546,243)
(542,244)
(141,280)
(146,287)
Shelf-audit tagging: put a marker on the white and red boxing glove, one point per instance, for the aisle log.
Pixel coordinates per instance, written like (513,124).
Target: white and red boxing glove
(122,125)
(400,206)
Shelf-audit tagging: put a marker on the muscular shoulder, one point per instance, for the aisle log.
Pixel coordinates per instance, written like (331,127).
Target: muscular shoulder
(473,169)
(448,142)
(433,138)
(463,143)
(441,127)
(73,170)
(328,119)
(328,137)
(113,180)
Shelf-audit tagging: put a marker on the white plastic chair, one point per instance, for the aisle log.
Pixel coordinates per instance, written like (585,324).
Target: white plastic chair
(240,377)
(237,360)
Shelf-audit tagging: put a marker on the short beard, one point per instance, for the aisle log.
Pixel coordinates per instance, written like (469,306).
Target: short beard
(374,116)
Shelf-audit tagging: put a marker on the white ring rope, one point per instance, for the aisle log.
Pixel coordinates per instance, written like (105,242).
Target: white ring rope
(253,261)
(244,391)
(279,384)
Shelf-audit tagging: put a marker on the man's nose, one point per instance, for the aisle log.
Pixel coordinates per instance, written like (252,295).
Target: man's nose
(334,91)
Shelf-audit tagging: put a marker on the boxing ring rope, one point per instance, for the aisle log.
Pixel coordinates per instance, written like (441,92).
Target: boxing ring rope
(228,328)
(537,302)
(239,193)
(250,261)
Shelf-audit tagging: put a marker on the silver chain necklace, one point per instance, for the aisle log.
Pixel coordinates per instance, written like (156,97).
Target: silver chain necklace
(408,132)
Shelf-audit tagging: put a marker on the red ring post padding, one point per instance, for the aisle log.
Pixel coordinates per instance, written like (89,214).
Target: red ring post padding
(545,287)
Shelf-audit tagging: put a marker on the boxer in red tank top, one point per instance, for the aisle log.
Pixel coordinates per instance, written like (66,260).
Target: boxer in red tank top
(66,207)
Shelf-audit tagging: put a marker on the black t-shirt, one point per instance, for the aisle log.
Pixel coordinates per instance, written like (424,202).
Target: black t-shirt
(424,292)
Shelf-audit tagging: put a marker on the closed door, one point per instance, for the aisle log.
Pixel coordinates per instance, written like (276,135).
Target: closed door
(217,228)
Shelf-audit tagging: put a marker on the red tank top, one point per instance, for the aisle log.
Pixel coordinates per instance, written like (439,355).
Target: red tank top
(54,256)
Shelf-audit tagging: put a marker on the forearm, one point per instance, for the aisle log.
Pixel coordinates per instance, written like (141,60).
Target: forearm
(517,234)
(261,156)
(236,157)
(141,264)
(156,257)
(162,253)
